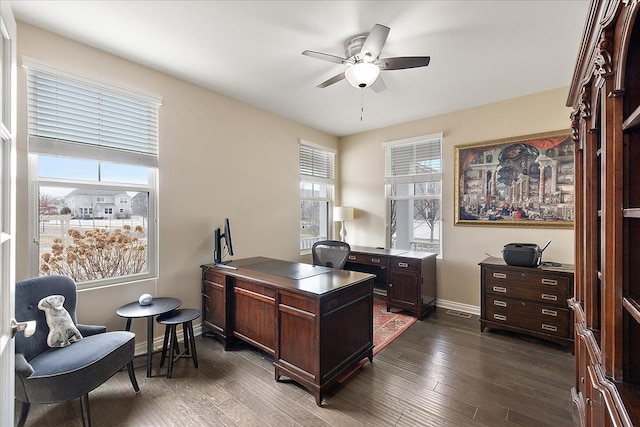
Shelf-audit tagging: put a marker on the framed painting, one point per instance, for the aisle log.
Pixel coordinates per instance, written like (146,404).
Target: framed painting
(524,181)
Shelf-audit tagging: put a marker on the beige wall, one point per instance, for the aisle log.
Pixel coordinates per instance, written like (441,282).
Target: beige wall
(218,158)
(222,158)
(362,186)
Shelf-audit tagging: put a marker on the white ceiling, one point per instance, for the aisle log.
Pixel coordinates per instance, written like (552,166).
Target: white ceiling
(481,51)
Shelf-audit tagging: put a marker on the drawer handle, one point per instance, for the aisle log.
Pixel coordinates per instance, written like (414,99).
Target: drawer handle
(549,312)
(403,264)
(549,297)
(352,257)
(500,303)
(499,289)
(375,260)
(499,275)
(549,282)
(549,328)
(499,317)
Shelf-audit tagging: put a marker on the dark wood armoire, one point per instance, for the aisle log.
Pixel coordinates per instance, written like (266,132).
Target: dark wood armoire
(605,97)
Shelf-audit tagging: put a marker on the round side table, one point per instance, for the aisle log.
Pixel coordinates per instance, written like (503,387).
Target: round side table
(135,310)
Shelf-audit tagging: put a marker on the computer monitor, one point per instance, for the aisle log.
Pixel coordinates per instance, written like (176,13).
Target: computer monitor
(218,236)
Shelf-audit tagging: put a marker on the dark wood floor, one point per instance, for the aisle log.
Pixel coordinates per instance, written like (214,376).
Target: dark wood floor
(441,372)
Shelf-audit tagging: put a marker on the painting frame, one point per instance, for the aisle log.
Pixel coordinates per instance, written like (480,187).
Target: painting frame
(498,183)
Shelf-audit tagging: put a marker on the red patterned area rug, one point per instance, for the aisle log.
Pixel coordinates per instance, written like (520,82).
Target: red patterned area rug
(387,326)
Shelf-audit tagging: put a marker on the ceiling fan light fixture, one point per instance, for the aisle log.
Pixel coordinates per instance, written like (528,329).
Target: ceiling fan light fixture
(362,75)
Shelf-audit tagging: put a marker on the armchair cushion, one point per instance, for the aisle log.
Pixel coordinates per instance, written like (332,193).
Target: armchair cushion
(70,372)
(62,330)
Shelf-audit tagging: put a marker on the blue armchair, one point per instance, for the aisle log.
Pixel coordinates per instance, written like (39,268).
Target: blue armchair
(48,375)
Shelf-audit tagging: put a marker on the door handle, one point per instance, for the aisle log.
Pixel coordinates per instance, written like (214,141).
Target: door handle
(28,327)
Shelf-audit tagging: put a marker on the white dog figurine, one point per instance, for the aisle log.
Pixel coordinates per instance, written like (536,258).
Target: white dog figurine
(62,330)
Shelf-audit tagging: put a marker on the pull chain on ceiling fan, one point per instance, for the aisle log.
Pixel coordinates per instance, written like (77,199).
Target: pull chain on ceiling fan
(363,63)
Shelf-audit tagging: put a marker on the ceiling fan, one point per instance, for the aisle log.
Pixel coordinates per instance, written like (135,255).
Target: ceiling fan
(362,58)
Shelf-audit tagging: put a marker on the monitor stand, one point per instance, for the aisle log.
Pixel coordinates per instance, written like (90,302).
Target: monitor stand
(224,265)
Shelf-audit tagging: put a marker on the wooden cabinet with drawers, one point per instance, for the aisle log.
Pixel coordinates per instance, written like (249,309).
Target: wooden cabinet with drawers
(528,300)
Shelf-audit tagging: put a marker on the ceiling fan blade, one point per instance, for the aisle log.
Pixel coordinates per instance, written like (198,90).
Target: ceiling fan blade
(402,62)
(375,40)
(378,86)
(325,57)
(332,80)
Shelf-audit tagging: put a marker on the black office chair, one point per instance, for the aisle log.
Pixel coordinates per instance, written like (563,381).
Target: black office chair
(330,253)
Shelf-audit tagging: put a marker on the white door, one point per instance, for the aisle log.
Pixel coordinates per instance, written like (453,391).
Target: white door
(7,208)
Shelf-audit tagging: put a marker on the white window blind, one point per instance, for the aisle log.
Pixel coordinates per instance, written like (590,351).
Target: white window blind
(316,165)
(72,118)
(316,193)
(418,160)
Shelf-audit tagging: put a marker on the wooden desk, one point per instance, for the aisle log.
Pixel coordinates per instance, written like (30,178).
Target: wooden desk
(316,322)
(406,278)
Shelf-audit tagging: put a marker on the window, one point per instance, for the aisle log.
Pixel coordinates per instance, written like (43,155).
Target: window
(316,193)
(92,149)
(413,170)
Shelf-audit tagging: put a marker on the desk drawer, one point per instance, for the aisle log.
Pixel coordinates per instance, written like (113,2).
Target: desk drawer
(405,264)
(534,317)
(381,261)
(538,294)
(535,277)
(215,277)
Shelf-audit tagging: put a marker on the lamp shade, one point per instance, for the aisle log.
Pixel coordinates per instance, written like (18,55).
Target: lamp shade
(342,213)
(362,75)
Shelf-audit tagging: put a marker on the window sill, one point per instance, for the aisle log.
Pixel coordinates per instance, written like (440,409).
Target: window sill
(114,283)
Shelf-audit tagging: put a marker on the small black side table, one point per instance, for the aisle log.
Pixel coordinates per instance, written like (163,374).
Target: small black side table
(135,310)
(171,320)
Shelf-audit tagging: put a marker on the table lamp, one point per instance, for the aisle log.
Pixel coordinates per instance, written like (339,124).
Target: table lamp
(342,214)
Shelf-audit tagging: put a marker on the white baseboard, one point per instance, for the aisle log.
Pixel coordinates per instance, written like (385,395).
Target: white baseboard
(141,347)
(452,305)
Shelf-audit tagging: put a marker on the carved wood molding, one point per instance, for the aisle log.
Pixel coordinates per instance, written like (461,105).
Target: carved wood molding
(604,58)
(575,122)
(585,102)
(581,112)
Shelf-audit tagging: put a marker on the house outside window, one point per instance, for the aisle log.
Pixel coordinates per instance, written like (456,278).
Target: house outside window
(317,174)
(413,174)
(93,151)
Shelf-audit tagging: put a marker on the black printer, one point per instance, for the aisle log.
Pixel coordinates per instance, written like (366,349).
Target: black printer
(523,254)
